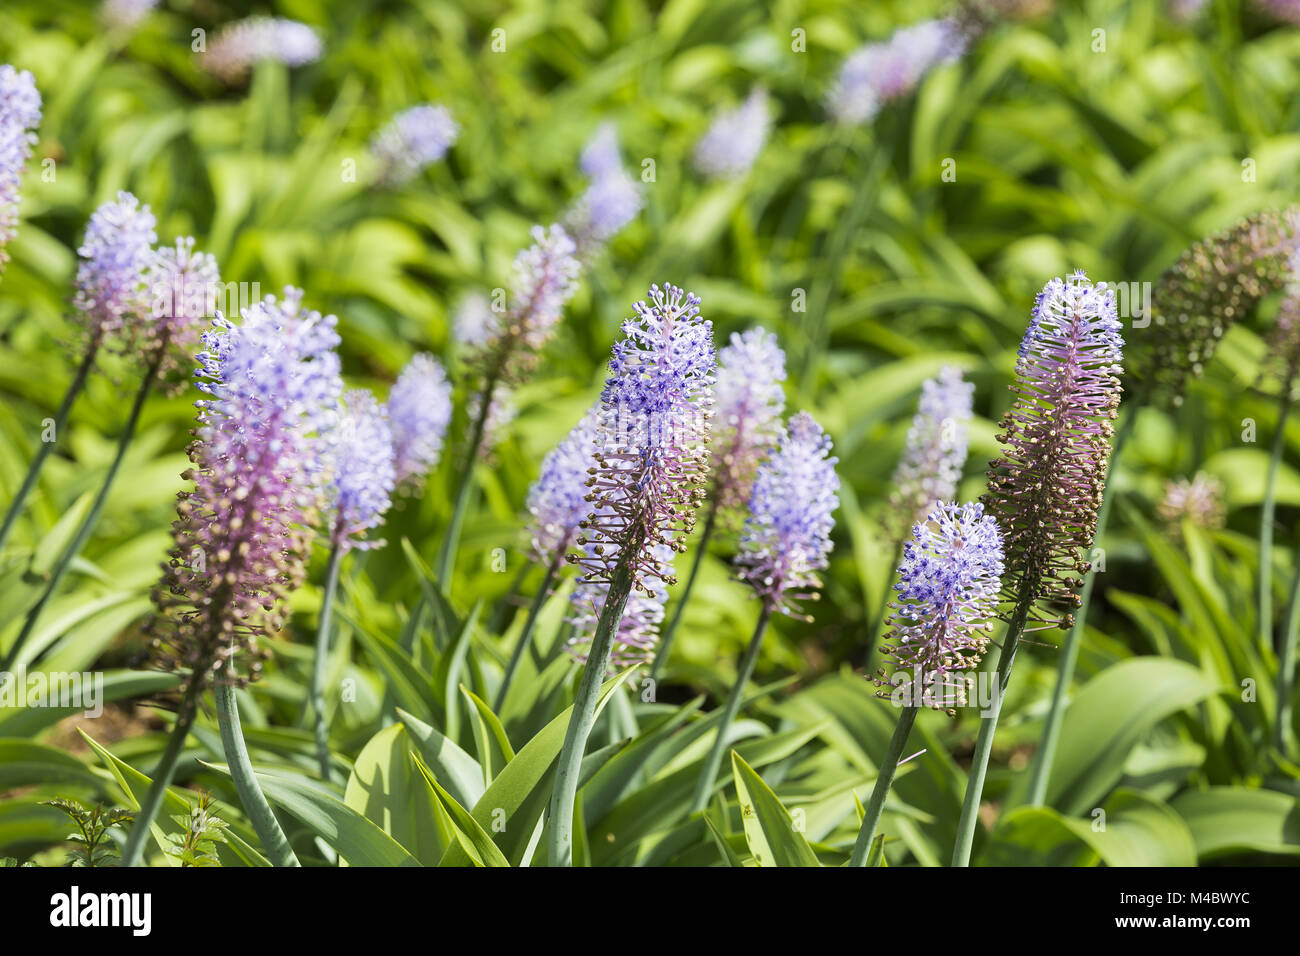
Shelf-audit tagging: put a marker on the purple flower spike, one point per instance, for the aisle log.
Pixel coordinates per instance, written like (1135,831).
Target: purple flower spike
(748,402)
(184,285)
(242,44)
(545,278)
(787,537)
(601,156)
(936,447)
(1283,351)
(947,592)
(419,411)
(112,290)
(364,476)
(413,140)
(558,499)
(1284,11)
(879,73)
(735,139)
(1047,488)
(20,113)
(259,465)
(651,455)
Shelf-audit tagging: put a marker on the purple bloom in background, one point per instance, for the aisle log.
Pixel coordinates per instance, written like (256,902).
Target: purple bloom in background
(184,285)
(242,535)
(1284,11)
(361,489)
(244,43)
(878,73)
(612,198)
(651,455)
(787,537)
(735,138)
(20,113)
(1199,501)
(558,499)
(112,290)
(748,403)
(936,447)
(545,278)
(125,14)
(948,588)
(414,139)
(1046,489)
(601,156)
(419,411)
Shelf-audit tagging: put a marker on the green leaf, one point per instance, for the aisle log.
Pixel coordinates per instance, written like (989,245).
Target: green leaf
(355,838)
(769,830)
(1108,716)
(389,789)
(1228,820)
(473,839)
(24,763)
(458,771)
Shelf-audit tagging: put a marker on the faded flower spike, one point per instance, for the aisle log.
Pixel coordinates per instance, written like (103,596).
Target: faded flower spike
(20,113)
(948,588)
(419,411)
(1283,347)
(1212,285)
(748,402)
(787,537)
(936,446)
(558,499)
(651,455)
(112,291)
(413,140)
(1199,501)
(242,44)
(735,139)
(241,536)
(1046,490)
(878,73)
(361,488)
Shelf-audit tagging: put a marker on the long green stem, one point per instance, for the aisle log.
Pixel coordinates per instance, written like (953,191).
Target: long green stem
(701,549)
(884,780)
(38,462)
(92,517)
(704,785)
(323,628)
(451,539)
(526,635)
(564,796)
(1282,732)
(1265,611)
(1046,753)
(260,815)
(162,776)
(988,726)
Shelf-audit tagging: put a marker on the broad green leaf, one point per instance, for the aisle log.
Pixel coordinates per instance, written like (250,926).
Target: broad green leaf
(769,829)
